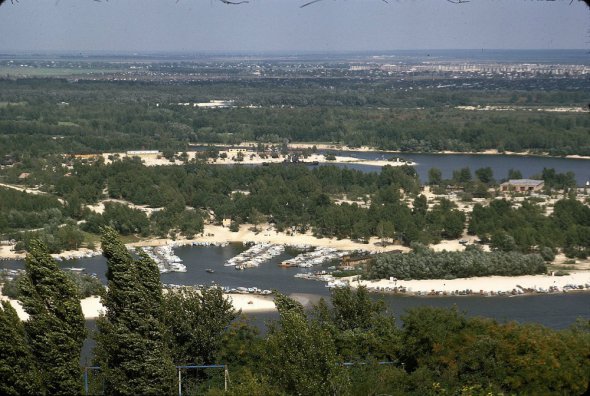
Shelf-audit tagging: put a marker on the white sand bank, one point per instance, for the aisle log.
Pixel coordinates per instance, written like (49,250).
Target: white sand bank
(484,285)
(219,234)
(92,307)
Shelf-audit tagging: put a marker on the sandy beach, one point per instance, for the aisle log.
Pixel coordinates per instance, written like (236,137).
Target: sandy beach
(215,234)
(480,285)
(253,158)
(92,307)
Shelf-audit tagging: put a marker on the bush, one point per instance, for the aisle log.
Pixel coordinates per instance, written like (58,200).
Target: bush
(234,226)
(10,287)
(547,253)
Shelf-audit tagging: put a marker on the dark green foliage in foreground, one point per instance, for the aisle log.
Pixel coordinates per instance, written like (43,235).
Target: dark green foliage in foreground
(523,359)
(301,356)
(18,370)
(359,325)
(195,322)
(56,325)
(427,264)
(131,347)
(437,351)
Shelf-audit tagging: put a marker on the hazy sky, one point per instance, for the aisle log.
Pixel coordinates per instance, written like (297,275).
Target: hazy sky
(279,25)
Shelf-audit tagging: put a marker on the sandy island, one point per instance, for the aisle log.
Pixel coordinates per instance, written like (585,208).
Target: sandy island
(253,158)
(479,285)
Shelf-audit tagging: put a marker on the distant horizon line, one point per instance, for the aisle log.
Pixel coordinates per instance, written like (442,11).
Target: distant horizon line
(258,52)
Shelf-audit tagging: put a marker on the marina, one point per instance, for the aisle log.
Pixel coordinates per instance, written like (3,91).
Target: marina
(314,258)
(165,258)
(257,254)
(557,309)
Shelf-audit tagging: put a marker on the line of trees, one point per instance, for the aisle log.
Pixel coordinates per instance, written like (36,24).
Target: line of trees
(424,263)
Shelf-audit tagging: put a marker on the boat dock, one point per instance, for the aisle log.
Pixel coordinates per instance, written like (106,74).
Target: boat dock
(255,255)
(315,257)
(165,258)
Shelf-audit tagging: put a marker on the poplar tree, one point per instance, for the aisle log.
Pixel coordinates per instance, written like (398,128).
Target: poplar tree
(18,371)
(56,327)
(131,349)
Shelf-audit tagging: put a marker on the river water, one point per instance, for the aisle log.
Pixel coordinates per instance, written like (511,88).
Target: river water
(555,310)
(529,166)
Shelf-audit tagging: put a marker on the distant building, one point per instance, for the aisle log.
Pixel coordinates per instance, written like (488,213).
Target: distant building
(522,185)
(24,175)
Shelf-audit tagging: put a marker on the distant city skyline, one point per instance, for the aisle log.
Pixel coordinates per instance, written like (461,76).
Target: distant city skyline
(280,25)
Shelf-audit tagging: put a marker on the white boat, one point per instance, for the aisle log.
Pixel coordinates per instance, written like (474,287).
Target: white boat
(75,269)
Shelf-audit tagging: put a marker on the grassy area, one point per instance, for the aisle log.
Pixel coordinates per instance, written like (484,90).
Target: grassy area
(95,239)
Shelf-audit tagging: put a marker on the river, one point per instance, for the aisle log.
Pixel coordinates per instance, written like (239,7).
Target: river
(555,310)
(529,166)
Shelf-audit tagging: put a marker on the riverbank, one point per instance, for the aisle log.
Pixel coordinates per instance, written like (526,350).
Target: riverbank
(365,149)
(481,286)
(92,307)
(6,253)
(216,235)
(251,158)
(247,157)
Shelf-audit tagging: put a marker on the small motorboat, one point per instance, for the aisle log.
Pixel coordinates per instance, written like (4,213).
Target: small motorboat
(210,271)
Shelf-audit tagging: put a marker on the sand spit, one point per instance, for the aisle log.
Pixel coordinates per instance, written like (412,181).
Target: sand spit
(487,285)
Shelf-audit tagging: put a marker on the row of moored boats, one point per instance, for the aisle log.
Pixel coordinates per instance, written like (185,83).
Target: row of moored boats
(165,258)
(255,255)
(316,257)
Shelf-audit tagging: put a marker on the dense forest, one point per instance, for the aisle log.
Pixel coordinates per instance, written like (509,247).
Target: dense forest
(292,198)
(82,116)
(350,346)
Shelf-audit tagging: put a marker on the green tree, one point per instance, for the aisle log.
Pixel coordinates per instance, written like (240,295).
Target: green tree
(256,218)
(56,327)
(18,371)
(503,241)
(462,175)
(514,174)
(301,356)
(385,229)
(196,323)
(434,176)
(131,347)
(485,175)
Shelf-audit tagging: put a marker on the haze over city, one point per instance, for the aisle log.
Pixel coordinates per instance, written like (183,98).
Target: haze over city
(272,25)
